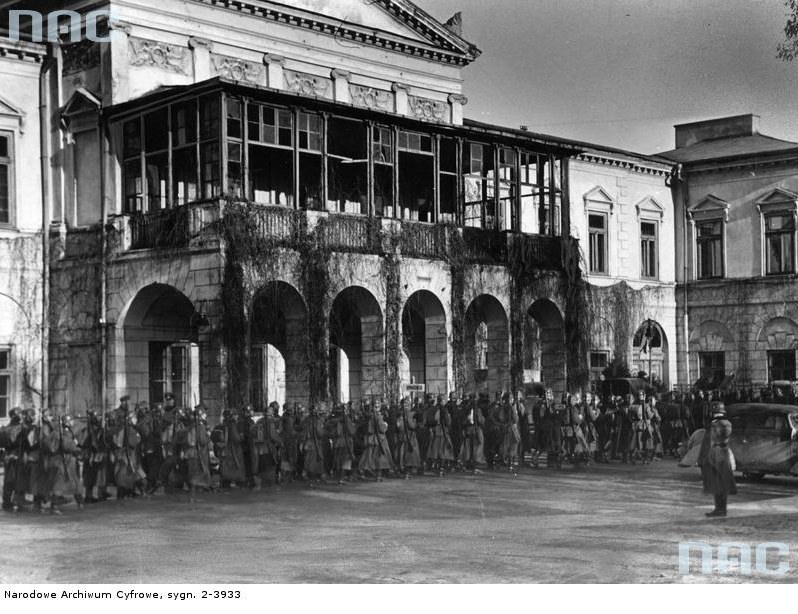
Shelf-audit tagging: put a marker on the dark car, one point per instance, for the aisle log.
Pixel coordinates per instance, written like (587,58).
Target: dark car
(764,438)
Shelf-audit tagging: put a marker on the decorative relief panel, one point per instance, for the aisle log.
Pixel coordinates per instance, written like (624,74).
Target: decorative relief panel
(81,56)
(371,97)
(142,52)
(308,85)
(427,109)
(237,70)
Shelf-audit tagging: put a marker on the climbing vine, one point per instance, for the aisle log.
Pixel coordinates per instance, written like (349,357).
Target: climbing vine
(457,258)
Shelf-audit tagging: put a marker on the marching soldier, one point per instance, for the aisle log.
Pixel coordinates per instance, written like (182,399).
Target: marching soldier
(507,421)
(150,426)
(290,452)
(313,445)
(246,423)
(61,449)
(440,446)
(173,470)
(554,432)
(454,408)
(128,473)
(11,442)
(194,446)
(343,428)
(30,460)
(376,454)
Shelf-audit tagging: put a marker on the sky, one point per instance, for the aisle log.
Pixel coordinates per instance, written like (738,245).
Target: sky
(621,73)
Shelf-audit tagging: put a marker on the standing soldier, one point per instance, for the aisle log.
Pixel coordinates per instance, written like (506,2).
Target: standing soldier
(128,474)
(343,428)
(717,461)
(95,458)
(151,428)
(422,433)
(408,459)
(195,450)
(471,451)
(42,487)
(31,451)
(454,409)
(507,422)
(11,442)
(440,447)
(61,448)
(313,445)
(245,424)
(173,468)
(554,421)
(591,425)
(290,451)
(227,447)
(266,445)
(627,434)
(376,454)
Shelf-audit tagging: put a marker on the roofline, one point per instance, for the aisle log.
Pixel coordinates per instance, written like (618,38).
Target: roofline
(749,158)
(472,129)
(717,120)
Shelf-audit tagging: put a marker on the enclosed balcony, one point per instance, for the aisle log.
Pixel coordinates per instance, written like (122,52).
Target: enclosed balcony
(185,152)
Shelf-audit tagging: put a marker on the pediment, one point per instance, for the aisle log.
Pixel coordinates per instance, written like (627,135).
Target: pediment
(778,199)
(11,111)
(709,206)
(650,206)
(396,24)
(82,101)
(598,196)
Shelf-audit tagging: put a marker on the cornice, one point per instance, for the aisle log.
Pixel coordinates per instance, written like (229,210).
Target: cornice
(447,53)
(24,51)
(626,164)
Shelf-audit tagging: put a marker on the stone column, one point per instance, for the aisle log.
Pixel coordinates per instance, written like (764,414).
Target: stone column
(341,85)
(118,68)
(437,349)
(456,103)
(296,363)
(201,49)
(372,357)
(274,68)
(401,91)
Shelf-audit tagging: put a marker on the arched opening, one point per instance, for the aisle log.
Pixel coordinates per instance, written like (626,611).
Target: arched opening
(777,343)
(357,346)
(278,346)
(487,345)
(650,352)
(161,346)
(425,343)
(544,345)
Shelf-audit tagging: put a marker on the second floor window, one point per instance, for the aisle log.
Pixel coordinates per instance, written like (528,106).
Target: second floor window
(712,366)
(6,176)
(779,244)
(597,227)
(709,246)
(648,250)
(5,381)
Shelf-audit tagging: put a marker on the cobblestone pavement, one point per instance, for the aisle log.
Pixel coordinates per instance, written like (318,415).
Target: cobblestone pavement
(615,523)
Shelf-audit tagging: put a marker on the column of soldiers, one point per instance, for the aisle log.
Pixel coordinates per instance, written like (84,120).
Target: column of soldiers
(140,450)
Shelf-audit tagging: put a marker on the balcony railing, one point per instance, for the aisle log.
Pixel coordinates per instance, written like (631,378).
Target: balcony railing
(164,228)
(195,225)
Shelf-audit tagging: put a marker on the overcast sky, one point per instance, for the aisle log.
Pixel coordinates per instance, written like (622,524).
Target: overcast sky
(622,72)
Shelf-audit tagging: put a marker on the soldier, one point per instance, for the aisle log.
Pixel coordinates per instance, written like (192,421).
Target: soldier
(226,441)
(246,422)
(568,428)
(95,458)
(313,445)
(42,486)
(61,449)
(454,408)
(342,432)
(525,420)
(538,428)
(471,452)
(376,454)
(173,469)
(581,448)
(290,452)
(590,425)
(626,432)
(717,461)
(554,423)
(440,447)
(11,442)
(655,422)
(150,427)
(422,433)
(30,460)
(128,472)
(507,421)
(408,459)
(194,445)
(266,446)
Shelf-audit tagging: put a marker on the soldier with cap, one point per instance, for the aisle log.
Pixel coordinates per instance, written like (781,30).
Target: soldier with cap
(129,475)
(507,421)
(342,430)
(11,442)
(440,453)
(313,444)
(266,445)
(289,460)
(473,440)
(226,441)
(150,427)
(376,456)
(61,449)
(93,443)
(407,457)
(717,461)
(246,423)
(194,446)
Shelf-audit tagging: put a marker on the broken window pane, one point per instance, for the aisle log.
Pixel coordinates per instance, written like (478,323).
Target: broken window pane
(271,175)
(382,144)
(210,169)
(416,177)
(448,181)
(507,188)
(156,130)
(479,183)
(184,175)
(184,123)
(529,192)
(157,181)
(347,166)
(310,160)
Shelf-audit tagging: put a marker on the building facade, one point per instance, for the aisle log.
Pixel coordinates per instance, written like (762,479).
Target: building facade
(272,203)
(21,268)
(622,213)
(736,199)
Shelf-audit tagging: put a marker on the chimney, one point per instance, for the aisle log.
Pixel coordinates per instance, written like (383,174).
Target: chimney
(524,128)
(721,128)
(455,24)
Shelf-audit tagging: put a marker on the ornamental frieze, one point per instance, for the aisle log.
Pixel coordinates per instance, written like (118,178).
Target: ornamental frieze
(80,56)
(307,85)
(427,109)
(237,69)
(371,98)
(142,52)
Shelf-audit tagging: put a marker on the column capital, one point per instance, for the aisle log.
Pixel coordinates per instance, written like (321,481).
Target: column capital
(203,43)
(458,98)
(119,26)
(400,87)
(271,58)
(338,73)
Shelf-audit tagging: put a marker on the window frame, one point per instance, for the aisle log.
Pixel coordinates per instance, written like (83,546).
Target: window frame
(8,372)
(768,234)
(10,162)
(721,236)
(655,241)
(606,250)
(713,368)
(771,354)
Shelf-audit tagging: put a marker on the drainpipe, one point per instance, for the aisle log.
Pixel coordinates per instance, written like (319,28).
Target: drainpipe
(686,273)
(103,136)
(45,148)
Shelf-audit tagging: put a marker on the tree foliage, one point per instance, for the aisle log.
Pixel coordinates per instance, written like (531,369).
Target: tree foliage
(788,49)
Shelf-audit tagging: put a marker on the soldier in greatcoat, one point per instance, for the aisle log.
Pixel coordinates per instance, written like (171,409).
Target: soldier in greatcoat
(61,451)
(439,424)
(266,444)
(342,430)
(11,444)
(407,456)
(473,439)
(129,475)
(94,445)
(376,457)
(226,440)
(194,450)
(313,444)
(717,461)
